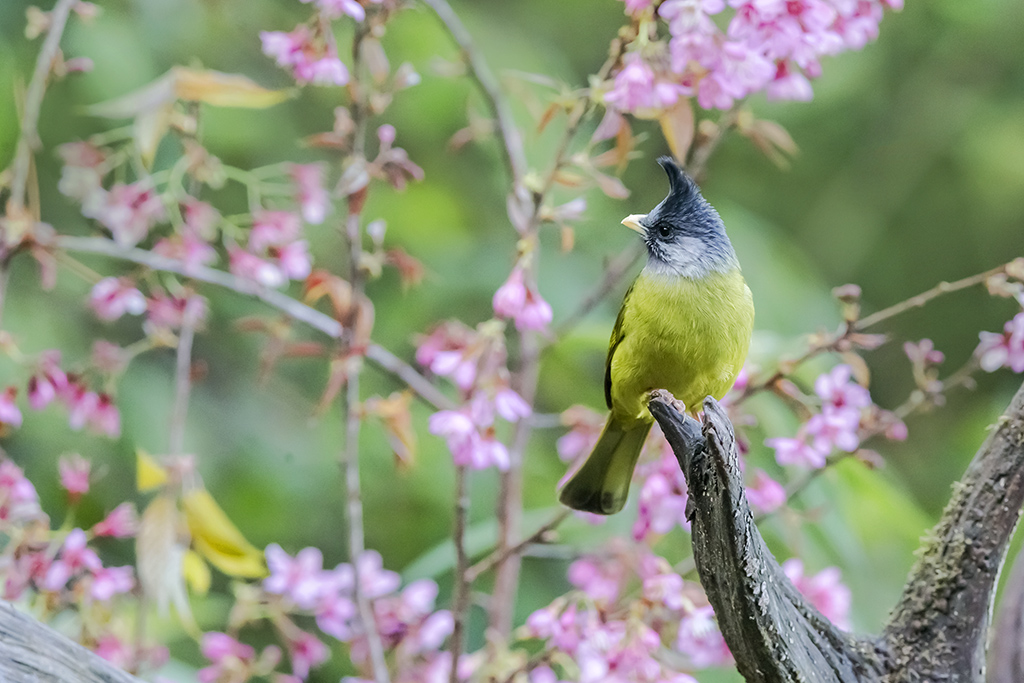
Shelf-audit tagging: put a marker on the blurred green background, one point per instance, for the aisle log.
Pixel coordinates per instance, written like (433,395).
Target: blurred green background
(910,171)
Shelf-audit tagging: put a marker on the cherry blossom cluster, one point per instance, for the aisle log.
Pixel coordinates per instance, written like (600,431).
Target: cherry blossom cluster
(63,567)
(770,45)
(1003,350)
(408,625)
(846,408)
(630,603)
(475,361)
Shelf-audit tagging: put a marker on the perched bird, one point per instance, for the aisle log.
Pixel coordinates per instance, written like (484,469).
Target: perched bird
(684,326)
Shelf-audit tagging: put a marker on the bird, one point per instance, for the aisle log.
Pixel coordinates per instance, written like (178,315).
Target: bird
(684,325)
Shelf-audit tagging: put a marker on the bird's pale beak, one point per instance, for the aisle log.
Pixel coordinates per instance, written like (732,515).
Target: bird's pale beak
(633,222)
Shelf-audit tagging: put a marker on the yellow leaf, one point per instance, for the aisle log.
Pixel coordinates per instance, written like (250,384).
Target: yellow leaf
(196,571)
(149,474)
(217,539)
(223,90)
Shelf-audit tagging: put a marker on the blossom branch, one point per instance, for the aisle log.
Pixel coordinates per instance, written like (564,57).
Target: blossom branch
(29,137)
(512,139)
(293,308)
(460,597)
(349,457)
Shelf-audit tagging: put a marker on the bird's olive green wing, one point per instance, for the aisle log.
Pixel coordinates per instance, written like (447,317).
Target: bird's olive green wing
(617,335)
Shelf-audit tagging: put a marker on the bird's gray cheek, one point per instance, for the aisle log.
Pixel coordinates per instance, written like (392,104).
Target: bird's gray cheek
(687,250)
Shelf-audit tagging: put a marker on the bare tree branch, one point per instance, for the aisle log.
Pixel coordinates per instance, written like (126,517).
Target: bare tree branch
(32,652)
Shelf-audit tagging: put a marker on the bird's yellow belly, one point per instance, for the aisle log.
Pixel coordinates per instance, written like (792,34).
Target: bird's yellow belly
(687,336)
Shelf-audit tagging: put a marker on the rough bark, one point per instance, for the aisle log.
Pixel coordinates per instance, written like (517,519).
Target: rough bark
(33,653)
(775,635)
(1006,656)
(938,629)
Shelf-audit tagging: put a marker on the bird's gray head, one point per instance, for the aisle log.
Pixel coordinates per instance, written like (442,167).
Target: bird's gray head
(684,234)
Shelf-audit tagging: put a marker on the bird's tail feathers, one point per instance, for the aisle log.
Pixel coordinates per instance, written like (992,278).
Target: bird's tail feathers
(601,485)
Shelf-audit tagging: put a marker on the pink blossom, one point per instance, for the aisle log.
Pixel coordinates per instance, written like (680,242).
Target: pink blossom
(112,297)
(789,84)
(306,652)
(386,135)
(374,580)
(74,557)
(765,494)
(74,474)
(334,614)
(192,251)
(300,578)
(109,358)
(824,590)
(47,382)
(109,581)
(635,7)
(511,406)
(294,260)
(536,313)
(836,389)
(834,428)
(122,522)
(333,9)
(10,415)
(82,175)
(789,451)
(18,498)
(662,500)
(115,651)
(169,311)
(26,567)
(273,229)
(87,408)
(310,192)
(661,585)
(230,657)
(1003,350)
(923,353)
(601,580)
(251,267)
(510,298)
(700,639)
(201,219)
(129,211)
(636,88)
(585,429)
(468,447)
(328,70)
(105,418)
(287,49)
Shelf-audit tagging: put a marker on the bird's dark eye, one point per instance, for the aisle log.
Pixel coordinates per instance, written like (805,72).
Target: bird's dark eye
(664,230)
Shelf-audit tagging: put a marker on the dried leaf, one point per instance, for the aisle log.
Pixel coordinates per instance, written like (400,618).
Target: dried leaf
(149,128)
(394,413)
(223,90)
(1015,268)
(321,283)
(217,539)
(611,186)
(156,94)
(376,60)
(547,117)
(196,572)
(677,125)
(568,238)
(773,140)
(410,269)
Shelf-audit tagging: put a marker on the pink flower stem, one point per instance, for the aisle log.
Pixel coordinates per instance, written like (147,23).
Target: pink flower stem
(183,376)
(29,138)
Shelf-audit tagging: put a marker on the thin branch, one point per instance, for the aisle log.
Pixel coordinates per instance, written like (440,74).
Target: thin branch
(498,556)
(352,232)
(293,308)
(924,297)
(460,597)
(511,138)
(183,375)
(29,137)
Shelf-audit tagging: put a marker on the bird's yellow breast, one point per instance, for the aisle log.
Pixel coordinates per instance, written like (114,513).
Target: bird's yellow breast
(687,336)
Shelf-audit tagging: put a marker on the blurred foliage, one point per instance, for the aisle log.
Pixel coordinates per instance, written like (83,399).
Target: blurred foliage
(909,173)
